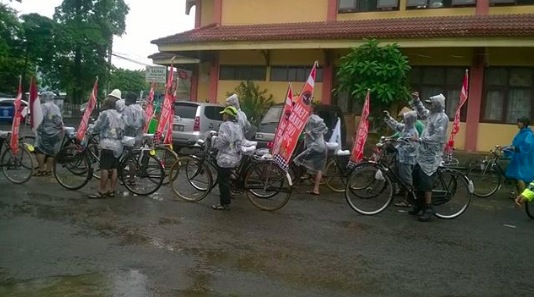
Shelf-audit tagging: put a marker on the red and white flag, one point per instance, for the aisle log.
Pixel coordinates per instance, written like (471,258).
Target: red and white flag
(363,130)
(456,124)
(284,118)
(80,134)
(36,113)
(14,142)
(166,117)
(149,108)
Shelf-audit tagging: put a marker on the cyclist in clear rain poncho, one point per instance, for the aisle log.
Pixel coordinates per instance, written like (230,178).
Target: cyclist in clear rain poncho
(49,134)
(242,119)
(134,119)
(432,143)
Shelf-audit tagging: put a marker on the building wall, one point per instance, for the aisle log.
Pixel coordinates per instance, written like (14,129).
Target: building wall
(494,134)
(207,12)
(239,12)
(511,9)
(203,82)
(403,13)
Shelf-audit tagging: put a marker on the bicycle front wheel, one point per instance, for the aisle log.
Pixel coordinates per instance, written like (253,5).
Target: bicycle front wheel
(486,179)
(452,193)
(334,177)
(369,190)
(168,157)
(72,168)
(17,168)
(192,179)
(529,209)
(142,173)
(268,186)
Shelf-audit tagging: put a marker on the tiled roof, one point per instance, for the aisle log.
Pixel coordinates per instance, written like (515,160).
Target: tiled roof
(510,25)
(161,56)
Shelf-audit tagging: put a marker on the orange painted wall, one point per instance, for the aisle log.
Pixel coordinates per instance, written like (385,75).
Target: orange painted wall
(512,9)
(207,13)
(494,134)
(405,13)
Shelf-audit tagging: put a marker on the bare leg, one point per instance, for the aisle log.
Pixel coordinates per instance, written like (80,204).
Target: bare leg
(113,181)
(49,163)
(428,198)
(318,178)
(104,177)
(40,161)
(520,186)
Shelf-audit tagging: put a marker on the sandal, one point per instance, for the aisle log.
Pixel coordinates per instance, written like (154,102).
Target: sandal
(47,173)
(98,195)
(403,204)
(313,193)
(221,207)
(111,194)
(39,173)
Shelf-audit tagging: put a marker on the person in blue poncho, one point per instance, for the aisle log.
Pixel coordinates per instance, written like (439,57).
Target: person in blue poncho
(521,153)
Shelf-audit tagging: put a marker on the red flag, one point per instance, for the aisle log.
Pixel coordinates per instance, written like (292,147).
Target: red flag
(87,113)
(297,120)
(166,117)
(14,142)
(149,109)
(363,129)
(282,125)
(36,113)
(456,123)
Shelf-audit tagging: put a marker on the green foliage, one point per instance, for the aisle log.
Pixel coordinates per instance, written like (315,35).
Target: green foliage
(382,69)
(253,100)
(11,58)
(128,80)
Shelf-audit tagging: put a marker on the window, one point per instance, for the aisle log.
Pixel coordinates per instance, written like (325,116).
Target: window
(430,81)
(422,4)
(229,72)
(294,73)
(366,5)
(213,112)
(508,94)
(346,5)
(186,111)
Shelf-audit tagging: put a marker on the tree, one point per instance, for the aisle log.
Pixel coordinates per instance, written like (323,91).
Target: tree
(252,100)
(383,69)
(128,80)
(11,59)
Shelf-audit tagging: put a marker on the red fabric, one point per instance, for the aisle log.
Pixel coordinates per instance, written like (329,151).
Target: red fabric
(80,134)
(14,142)
(456,123)
(282,125)
(166,117)
(149,109)
(361,136)
(36,113)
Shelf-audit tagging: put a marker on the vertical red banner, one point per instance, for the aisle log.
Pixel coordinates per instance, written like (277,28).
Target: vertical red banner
(284,119)
(80,134)
(297,120)
(149,108)
(363,130)
(166,116)
(456,124)
(14,141)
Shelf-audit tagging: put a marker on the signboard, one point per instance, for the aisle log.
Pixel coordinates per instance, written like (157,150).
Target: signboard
(157,74)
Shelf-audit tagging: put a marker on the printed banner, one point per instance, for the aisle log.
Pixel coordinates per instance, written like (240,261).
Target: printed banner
(456,123)
(80,134)
(149,108)
(297,120)
(14,141)
(284,118)
(166,117)
(361,136)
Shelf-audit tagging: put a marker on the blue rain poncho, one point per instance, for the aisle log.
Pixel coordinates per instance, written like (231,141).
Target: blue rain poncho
(110,127)
(521,166)
(242,119)
(314,156)
(228,143)
(406,149)
(50,131)
(134,121)
(433,139)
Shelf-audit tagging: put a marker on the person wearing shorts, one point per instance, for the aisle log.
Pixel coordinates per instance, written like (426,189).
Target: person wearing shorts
(526,196)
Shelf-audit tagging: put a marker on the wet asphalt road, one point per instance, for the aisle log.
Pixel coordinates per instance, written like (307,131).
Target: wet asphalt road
(55,242)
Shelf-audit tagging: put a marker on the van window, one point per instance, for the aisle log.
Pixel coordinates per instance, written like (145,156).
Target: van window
(186,111)
(272,115)
(213,113)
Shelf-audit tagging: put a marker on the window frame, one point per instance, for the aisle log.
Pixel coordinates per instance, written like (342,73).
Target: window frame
(295,68)
(238,74)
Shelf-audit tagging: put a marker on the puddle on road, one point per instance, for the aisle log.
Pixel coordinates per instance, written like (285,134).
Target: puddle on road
(129,283)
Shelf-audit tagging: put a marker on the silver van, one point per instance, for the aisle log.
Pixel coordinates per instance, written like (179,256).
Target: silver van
(192,120)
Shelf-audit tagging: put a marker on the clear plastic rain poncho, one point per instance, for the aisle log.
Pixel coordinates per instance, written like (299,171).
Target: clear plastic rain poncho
(228,143)
(242,119)
(314,156)
(50,131)
(134,121)
(406,149)
(110,127)
(433,139)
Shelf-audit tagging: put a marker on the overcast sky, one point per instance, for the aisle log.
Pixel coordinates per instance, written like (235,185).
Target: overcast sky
(146,21)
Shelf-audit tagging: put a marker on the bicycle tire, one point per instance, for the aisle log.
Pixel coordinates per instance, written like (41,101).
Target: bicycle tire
(529,210)
(94,157)
(146,178)
(72,167)
(334,177)
(375,193)
(13,164)
(181,183)
(168,157)
(28,139)
(452,195)
(268,186)
(485,178)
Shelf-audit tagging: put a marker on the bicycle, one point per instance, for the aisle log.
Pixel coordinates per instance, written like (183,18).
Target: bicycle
(371,184)
(258,175)
(487,174)
(16,167)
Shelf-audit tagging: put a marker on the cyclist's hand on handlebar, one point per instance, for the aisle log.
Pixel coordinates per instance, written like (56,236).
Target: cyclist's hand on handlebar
(386,114)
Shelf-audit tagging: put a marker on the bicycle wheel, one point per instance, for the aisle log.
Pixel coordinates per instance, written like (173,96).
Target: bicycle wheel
(28,139)
(486,179)
(142,172)
(94,157)
(452,193)
(192,180)
(72,168)
(268,186)
(168,157)
(334,177)
(530,210)
(17,168)
(369,191)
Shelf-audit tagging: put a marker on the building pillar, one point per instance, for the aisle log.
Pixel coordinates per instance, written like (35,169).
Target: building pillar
(331,11)
(214,78)
(328,77)
(217,13)
(198,13)
(482,7)
(476,78)
(194,83)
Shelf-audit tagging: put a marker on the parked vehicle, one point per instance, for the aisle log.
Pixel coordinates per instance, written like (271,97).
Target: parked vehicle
(269,122)
(192,120)
(7,110)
